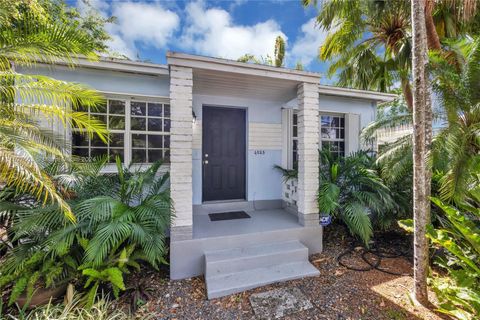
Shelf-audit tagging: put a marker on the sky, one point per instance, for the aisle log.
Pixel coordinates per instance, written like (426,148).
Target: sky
(146,30)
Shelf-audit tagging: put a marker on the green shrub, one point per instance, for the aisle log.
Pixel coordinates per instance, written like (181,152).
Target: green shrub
(459,290)
(114,231)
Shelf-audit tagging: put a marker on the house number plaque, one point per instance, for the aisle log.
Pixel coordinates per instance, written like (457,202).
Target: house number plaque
(259,152)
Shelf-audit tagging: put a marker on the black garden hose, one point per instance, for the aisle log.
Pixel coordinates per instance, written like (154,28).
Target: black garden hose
(393,247)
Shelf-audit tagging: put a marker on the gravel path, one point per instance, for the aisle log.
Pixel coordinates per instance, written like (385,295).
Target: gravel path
(338,293)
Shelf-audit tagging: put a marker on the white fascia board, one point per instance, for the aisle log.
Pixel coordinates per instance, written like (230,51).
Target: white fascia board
(231,66)
(121,65)
(355,93)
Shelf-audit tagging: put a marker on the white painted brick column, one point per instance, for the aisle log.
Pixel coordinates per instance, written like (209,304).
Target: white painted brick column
(181,83)
(308,118)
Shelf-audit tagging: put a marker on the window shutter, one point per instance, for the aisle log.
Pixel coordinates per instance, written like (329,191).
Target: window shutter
(287,138)
(352,133)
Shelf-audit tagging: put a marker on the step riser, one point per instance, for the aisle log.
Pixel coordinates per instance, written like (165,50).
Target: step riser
(247,263)
(228,290)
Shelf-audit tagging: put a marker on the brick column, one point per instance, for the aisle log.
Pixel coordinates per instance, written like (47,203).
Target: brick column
(307,95)
(181,83)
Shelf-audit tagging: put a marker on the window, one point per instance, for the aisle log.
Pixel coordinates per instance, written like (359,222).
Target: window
(332,135)
(139,132)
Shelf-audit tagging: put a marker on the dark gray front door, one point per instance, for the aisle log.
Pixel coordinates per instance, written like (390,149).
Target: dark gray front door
(224,144)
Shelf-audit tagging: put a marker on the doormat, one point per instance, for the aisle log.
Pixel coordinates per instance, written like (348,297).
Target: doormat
(232,215)
(276,304)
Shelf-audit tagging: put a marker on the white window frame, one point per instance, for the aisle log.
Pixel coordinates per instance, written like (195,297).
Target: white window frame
(127,131)
(291,138)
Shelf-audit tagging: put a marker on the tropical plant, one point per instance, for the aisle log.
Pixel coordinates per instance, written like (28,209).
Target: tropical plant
(351,190)
(121,221)
(73,310)
(278,56)
(26,38)
(459,235)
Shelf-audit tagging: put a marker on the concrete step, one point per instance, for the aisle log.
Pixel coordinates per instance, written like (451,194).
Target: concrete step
(225,284)
(238,259)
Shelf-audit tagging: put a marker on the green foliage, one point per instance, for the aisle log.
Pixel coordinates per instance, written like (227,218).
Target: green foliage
(101,310)
(351,190)
(459,235)
(118,226)
(279,51)
(27,37)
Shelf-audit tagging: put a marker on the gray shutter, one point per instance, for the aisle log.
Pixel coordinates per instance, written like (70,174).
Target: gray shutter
(352,133)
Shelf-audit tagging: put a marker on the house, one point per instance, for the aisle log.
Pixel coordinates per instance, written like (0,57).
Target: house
(223,125)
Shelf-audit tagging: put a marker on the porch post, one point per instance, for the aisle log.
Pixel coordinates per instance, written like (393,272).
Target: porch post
(181,83)
(307,95)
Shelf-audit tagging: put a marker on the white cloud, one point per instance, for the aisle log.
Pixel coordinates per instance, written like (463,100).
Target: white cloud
(305,47)
(211,31)
(148,24)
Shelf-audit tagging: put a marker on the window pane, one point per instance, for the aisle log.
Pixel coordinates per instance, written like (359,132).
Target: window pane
(138,108)
(97,142)
(166,155)
(139,156)
(155,124)
(166,141)
(79,139)
(114,153)
(326,121)
(155,141)
(166,125)
(295,131)
(154,155)
(101,118)
(117,107)
(95,152)
(99,108)
(139,140)
(166,110)
(328,133)
(295,119)
(138,124)
(80,152)
(116,122)
(116,140)
(335,122)
(155,109)
(81,108)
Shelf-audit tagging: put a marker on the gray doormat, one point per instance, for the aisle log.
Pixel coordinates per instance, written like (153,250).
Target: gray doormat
(232,215)
(278,303)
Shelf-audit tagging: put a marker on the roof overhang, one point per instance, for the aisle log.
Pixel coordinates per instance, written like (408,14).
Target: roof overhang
(214,76)
(115,64)
(232,66)
(358,94)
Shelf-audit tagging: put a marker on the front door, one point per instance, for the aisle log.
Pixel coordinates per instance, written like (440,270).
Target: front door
(224,144)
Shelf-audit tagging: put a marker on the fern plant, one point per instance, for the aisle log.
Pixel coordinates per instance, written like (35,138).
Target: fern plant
(122,225)
(351,190)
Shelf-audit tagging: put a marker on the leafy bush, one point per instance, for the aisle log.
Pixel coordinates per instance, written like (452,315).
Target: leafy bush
(351,190)
(459,290)
(123,224)
(101,310)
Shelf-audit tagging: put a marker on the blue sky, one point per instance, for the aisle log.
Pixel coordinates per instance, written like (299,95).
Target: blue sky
(228,29)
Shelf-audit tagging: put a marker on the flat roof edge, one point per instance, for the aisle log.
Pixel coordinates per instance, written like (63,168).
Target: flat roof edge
(115,64)
(189,60)
(356,93)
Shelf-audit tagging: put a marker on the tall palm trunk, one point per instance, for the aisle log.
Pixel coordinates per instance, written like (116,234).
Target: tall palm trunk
(407,93)
(421,116)
(433,40)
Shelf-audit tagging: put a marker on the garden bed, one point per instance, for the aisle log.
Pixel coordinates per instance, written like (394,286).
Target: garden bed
(338,293)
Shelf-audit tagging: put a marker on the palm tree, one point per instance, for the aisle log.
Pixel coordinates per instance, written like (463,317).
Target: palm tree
(25,100)
(279,51)
(421,183)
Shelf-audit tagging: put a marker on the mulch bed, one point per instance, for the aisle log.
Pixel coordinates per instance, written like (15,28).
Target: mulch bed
(338,293)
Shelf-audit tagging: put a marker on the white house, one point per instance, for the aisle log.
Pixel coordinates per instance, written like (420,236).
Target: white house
(222,126)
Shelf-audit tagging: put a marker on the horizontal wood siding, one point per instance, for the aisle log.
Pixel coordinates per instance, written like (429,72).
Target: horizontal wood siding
(266,136)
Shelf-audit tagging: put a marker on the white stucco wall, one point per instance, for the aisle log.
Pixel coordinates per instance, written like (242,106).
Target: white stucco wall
(106,81)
